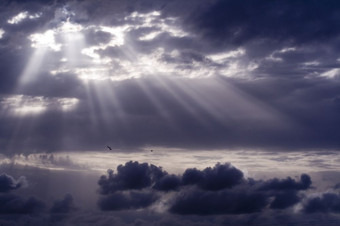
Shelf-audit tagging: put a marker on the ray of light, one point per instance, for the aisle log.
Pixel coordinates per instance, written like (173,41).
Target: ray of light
(27,111)
(157,103)
(33,67)
(74,42)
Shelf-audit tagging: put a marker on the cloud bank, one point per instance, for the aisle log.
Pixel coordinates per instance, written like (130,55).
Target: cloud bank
(222,189)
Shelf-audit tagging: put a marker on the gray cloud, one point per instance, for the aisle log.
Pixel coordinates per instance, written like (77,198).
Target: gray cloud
(325,203)
(218,190)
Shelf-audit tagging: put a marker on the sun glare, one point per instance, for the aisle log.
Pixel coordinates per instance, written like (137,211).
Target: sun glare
(45,40)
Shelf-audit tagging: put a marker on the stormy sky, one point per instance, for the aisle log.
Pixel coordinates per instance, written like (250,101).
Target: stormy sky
(239,102)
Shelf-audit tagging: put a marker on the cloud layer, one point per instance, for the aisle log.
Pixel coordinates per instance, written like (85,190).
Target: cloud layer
(221,189)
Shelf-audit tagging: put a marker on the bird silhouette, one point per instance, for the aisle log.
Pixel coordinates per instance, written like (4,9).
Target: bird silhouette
(109,148)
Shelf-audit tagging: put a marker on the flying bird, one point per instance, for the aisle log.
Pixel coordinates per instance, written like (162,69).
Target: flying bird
(151,150)
(109,148)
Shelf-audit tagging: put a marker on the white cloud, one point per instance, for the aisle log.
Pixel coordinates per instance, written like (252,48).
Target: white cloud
(275,56)
(331,73)
(45,40)
(222,57)
(22,16)
(2,32)
(158,24)
(311,63)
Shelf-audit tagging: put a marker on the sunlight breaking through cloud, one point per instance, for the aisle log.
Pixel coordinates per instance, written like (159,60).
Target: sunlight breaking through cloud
(90,61)
(45,40)
(31,105)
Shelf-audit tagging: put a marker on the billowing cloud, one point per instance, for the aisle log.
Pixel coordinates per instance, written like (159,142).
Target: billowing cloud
(130,176)
(222,202)
(287,184)
(123,201)
(217,178)
(324,203)
(219,190)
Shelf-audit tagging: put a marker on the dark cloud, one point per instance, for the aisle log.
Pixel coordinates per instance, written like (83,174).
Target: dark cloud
(221,189)
(12,204)
(217,178)
(325,203)
(239,22)
(285,199)
(8,183)
(131,200)
(65,205)
(167,183)
(220,202)
(132,175)
(287,184)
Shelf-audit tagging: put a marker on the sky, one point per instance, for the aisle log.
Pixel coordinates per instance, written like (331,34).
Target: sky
(217,112)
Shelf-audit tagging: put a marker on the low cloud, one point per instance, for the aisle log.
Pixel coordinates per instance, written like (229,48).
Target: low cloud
(287,184)
(221,189)
(326,203)
(132,175)
(218,202)
(13,204)
(219,177)
(130,200)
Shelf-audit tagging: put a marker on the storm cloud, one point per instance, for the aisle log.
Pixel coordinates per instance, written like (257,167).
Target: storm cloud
(221,189)
(219,76)
(325,203)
